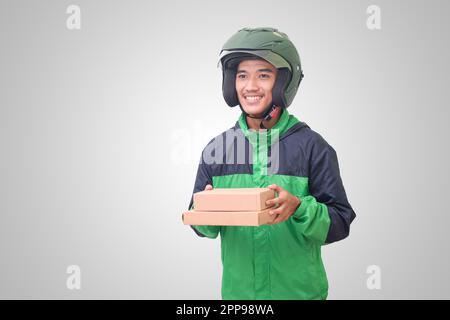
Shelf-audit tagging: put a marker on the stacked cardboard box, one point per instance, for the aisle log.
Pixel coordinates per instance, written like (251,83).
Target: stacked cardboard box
(230,207)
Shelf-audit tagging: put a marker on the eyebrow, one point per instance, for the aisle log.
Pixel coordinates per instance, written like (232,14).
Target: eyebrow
(259,70)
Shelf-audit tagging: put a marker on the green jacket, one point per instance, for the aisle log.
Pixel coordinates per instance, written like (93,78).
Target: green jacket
(281,261)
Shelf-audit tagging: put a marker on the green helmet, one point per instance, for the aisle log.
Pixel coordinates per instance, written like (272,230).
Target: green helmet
(271,45)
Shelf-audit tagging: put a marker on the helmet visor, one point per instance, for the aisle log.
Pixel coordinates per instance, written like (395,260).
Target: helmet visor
(276,60)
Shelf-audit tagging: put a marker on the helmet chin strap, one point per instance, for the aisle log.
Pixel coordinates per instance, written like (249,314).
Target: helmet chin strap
(266,116)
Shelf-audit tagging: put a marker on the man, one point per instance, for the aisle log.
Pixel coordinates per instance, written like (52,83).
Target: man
(281,260)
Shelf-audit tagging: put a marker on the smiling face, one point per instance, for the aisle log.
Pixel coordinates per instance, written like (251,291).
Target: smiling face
(255,79)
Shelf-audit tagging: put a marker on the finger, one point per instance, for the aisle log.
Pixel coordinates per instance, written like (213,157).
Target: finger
(274,201)
(279,218)
(208,187)
(276,211)
(281,210)
(273,219)
(275,187)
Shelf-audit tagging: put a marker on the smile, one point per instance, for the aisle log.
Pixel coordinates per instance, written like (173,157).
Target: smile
(253,98)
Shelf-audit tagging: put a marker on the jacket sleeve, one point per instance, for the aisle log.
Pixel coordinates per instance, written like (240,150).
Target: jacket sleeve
(203,178)
(324,215)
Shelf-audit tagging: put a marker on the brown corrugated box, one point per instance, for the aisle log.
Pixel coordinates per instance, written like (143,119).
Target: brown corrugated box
(230,207)
(234,199)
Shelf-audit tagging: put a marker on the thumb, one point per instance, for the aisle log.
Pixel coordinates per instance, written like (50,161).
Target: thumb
(208,187)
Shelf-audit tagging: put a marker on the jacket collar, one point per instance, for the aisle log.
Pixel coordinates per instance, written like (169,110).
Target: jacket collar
(284,123)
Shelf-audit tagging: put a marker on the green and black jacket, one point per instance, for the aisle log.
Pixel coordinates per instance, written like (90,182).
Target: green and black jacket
(281,261)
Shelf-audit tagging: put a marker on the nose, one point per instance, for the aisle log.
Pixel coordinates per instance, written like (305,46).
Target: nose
(251,84)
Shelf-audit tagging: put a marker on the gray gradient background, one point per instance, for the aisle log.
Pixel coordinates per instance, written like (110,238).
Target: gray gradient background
(90,125)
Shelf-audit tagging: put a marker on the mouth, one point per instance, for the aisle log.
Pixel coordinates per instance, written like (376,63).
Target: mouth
(253,98)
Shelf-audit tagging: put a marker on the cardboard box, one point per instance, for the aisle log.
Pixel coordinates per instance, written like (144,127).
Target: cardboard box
(233,199)
(227,218)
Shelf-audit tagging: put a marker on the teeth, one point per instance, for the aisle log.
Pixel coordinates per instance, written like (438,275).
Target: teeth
(253,98)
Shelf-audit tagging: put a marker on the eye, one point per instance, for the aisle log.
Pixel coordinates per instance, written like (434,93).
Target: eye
(265,75)
(241,76)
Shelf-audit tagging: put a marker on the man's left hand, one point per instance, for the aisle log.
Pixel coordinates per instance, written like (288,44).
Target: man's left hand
(285,204)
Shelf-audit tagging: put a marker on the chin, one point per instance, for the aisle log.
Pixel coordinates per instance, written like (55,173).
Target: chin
(254,114)
(252,110)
